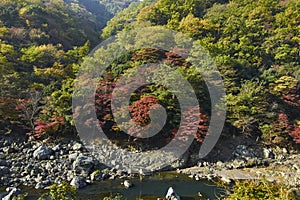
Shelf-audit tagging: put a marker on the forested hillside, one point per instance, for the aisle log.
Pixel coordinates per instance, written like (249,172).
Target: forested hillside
(42,43)
(51,92)
(255,45)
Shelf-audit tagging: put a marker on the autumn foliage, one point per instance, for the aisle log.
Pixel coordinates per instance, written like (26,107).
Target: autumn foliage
(140,110)
(42,127)
(194,121)
(296,134)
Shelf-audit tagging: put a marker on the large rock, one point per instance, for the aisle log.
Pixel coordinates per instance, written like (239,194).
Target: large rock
(57,147)
(244,152)
(42,153)
(12,193)
(127,184)
(78,182)
(39,186)
(268,153)
(171,194)
(96,175)
(73,156)
(84,165)
(77,146)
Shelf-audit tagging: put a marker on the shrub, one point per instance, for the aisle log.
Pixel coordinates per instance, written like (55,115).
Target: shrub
(296,134)
(282,125)
(28,109)
(278,131)
(52,126)
(195,120)
(20,197)
(260,189)
(140,110)
(149,55)
(248,108)
(8,114)
(64,191)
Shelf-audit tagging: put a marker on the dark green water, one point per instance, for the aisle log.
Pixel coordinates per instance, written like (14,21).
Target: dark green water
(150,187)
(154,186)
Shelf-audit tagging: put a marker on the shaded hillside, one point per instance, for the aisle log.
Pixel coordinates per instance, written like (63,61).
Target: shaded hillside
(95,10)
(125,18)
(41,45)
(45,22)
(115,6)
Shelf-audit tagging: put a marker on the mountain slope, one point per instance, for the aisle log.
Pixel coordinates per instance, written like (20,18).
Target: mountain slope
(39,22)
(255,45)
(114,6)
(42,42)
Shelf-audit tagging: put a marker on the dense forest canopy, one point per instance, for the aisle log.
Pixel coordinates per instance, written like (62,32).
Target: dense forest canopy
(255,45)
(56,22)
(42,42)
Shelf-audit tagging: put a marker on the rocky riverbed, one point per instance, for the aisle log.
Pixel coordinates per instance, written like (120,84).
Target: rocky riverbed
(281,166)
(39,164)
(36,164)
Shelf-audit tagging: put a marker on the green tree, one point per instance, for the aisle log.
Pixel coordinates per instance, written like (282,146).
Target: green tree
(248,107)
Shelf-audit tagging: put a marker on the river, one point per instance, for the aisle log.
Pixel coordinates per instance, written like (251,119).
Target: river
(147,188)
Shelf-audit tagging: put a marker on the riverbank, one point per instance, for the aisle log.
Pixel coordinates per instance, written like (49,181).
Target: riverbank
(39,164)
(284,170)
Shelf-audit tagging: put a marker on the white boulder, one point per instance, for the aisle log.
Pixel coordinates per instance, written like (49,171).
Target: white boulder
(172,195)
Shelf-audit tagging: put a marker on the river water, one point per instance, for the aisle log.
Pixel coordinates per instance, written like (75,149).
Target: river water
(147,188)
